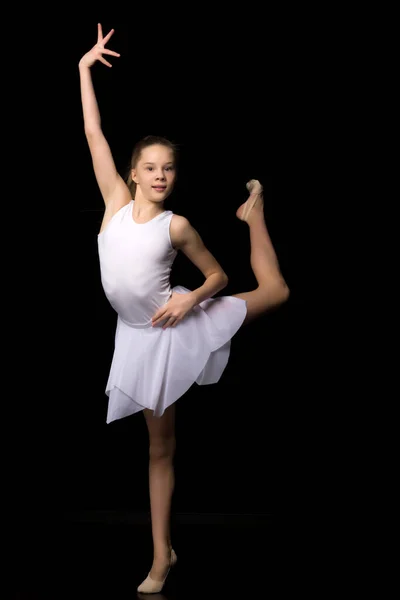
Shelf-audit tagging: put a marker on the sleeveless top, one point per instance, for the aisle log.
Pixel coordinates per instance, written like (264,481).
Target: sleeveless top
(135,265)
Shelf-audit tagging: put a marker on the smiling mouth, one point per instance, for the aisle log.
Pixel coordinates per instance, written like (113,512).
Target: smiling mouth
(159,188)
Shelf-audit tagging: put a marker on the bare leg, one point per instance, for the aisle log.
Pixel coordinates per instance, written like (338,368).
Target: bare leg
(272,289)
(161,481)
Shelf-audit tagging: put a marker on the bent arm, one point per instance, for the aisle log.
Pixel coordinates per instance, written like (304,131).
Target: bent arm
(188,240)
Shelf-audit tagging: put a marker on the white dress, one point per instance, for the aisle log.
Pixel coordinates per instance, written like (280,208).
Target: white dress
(153,367)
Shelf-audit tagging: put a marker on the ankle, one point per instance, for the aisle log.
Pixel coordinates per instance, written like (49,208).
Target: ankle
(162,551)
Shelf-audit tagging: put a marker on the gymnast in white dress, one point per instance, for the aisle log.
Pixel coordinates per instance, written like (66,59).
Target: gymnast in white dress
(166,338)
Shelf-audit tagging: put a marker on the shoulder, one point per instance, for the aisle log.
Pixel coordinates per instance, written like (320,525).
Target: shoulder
(111,209)
(180,230)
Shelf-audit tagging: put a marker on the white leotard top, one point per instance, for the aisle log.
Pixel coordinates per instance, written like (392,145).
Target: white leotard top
(135,264)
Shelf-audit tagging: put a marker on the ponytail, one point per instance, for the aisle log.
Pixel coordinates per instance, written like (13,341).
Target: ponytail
(130,183)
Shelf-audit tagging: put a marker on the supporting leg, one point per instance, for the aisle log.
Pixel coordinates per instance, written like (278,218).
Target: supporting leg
(162,482)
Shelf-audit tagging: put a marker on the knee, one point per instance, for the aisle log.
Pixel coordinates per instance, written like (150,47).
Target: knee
(284,292)
(276,293)
(162,448)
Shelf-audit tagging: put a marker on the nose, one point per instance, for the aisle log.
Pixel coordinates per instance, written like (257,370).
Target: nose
(160,176)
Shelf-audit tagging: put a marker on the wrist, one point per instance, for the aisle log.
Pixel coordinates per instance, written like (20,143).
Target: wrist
(193,298)
(82,64)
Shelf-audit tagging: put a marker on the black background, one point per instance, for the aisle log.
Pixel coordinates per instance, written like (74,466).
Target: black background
(220,99)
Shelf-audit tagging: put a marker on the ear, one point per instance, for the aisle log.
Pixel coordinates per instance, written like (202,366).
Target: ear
(133,175)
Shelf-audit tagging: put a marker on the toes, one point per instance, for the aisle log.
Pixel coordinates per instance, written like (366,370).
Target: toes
(254,186)
(250,184)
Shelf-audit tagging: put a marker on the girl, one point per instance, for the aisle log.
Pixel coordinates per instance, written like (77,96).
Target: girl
(166,339)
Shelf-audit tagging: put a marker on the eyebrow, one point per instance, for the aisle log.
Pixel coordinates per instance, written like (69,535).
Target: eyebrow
(151,163)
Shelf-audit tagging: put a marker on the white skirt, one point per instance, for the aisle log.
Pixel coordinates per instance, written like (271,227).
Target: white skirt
(153,367)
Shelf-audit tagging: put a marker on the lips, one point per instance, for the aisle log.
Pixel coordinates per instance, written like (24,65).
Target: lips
(159,188)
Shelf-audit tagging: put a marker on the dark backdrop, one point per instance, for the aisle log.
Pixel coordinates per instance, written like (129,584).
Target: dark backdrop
(223,107)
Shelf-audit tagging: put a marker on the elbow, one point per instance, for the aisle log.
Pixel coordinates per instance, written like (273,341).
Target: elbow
(224,279)
(92,130)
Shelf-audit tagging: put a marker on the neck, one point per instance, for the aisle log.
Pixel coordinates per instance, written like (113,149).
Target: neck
(144,207)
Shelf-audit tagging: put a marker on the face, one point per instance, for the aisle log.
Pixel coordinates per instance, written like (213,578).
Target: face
(155,172)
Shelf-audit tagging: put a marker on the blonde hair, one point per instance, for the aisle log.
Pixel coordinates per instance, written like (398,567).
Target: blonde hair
(149,140)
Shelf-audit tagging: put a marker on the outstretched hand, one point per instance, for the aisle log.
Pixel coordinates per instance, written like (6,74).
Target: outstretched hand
(96,53)
(174,310)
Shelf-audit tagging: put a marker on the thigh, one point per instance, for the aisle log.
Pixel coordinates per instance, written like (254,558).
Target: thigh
(161,428)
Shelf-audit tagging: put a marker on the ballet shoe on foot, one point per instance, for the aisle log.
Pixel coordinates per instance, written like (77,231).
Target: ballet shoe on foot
(151,586)
(255,188)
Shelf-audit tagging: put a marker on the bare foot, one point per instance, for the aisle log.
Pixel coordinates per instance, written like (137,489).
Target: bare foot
(254,204)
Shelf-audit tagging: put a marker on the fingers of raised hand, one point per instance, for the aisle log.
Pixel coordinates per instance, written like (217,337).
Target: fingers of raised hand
(111,52)
(109,34)
(101,42)
(101,50)
(104,61)
(100,39)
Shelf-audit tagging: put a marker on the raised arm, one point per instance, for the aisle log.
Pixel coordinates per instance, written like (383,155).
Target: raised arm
(111,184)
